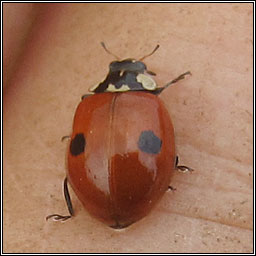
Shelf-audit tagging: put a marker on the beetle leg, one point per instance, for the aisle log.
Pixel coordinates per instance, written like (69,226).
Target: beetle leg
(176,161)
(85,96)
(58,217)
(65,137)
(182,76)
(182,168)
(171,188)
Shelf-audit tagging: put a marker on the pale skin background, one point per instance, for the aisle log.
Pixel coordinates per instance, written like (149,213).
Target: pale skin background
(52,56)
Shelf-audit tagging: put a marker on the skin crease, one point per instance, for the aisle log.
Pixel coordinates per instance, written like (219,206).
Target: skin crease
(60,57)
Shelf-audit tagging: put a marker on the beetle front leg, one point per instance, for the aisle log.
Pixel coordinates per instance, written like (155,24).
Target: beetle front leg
(86,96)
(180,77)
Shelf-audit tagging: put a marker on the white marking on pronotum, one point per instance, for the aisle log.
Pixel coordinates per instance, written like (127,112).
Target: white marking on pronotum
(123,88)
(147,82)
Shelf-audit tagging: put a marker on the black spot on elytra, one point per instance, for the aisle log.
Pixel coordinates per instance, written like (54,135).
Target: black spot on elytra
(77,145)
(149,142)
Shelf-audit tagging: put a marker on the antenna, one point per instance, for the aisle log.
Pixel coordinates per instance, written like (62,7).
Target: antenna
(149,53)
(105,48)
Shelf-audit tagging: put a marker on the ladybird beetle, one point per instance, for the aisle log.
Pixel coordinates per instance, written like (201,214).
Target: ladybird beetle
(122,152)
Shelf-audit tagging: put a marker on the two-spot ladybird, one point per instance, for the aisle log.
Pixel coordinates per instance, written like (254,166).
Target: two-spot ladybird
(122,152)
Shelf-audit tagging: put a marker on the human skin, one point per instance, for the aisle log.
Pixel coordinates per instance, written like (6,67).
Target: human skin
(51,59)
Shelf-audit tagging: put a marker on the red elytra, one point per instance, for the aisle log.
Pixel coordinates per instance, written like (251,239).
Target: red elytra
(114,179)
(122,150)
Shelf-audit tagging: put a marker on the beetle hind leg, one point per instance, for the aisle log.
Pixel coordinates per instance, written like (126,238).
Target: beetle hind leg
(58,217)
(171,188)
